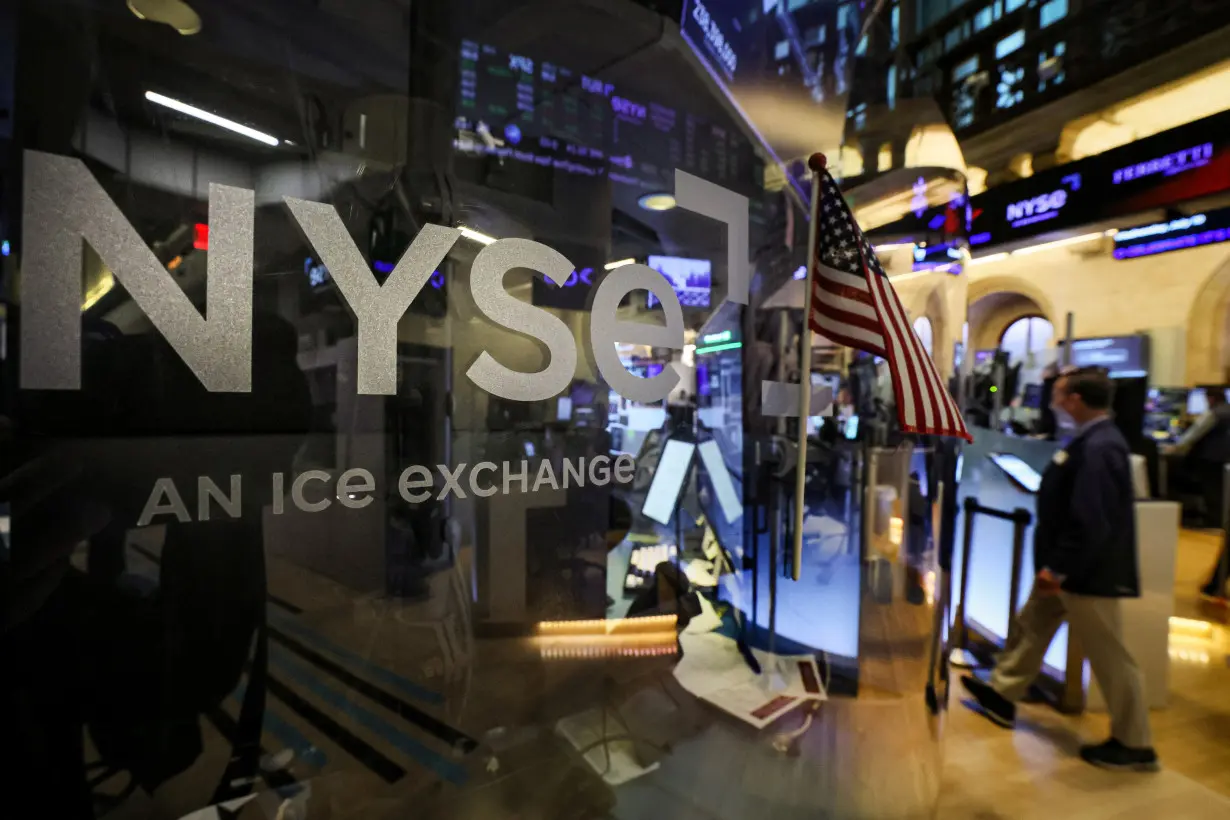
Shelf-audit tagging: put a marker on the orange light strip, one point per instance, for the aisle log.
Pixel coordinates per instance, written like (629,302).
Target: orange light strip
(648,624)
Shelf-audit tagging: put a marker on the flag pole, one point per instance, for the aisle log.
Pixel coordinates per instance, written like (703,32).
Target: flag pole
(817,165)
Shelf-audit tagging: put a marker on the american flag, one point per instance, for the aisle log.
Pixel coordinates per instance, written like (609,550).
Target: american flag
(853,303)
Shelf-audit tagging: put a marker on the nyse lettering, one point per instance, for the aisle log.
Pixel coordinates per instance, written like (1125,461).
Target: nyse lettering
(65,205)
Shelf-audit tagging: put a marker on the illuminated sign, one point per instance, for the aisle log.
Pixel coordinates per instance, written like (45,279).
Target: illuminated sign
(1173,163)
(715,40)
(628,108)
(1175,235)
(1043,207)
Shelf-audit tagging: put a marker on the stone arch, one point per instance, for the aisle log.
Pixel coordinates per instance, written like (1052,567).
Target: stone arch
(1208,330)
(982,287)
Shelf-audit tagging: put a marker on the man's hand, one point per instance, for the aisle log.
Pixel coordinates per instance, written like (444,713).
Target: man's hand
(1047,583)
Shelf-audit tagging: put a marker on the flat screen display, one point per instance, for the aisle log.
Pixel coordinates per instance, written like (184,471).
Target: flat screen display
(719,477)
(1021,473)
(539,114)
(563,408)
(1123,356)
(1206,228)
(691,279)
(668,480)
(1164,411)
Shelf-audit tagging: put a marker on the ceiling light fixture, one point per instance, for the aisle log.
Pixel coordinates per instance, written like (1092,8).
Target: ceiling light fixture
(476,236)
(618,264)
(174,13)
(212,119)
(657,202)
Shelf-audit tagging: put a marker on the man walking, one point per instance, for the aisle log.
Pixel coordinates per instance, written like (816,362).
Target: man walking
(1085,559)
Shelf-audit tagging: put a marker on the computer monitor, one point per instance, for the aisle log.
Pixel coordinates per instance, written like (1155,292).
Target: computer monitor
(1165,408)
(1032,397)
(1021,474)
(1198,399)
(691,279)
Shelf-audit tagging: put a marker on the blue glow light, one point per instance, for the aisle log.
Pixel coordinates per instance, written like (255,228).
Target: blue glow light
(801,273)
(5,249)
(1176,243)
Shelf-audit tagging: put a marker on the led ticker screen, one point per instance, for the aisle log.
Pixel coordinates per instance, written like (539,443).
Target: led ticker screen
(691,279)
(1173,235)
(1049,201)
(518,108)
(1182,164)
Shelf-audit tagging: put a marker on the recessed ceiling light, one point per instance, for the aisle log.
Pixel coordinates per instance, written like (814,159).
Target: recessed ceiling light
(657,202)
(175,13)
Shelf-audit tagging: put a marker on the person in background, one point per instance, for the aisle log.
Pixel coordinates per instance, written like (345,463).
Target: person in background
(1046,423)
(1206,448)
(1085,560)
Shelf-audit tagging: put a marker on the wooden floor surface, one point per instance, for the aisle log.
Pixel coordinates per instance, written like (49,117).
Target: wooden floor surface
(1034,772)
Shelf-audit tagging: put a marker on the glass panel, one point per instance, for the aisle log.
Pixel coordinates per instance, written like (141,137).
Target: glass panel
(418,387)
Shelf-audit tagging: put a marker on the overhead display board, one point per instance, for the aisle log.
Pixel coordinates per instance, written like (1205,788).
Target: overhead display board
(521,109)
(1173,234)
(785,64)
(1169,168)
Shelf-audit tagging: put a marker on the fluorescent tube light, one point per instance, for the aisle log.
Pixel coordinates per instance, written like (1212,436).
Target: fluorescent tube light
(213,119)
(477,236)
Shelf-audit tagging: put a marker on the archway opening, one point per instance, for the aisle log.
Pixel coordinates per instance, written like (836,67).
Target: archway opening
(1017,324)
(1208,331)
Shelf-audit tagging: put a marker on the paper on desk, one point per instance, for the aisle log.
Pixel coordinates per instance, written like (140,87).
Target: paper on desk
(751,704)
(713,669)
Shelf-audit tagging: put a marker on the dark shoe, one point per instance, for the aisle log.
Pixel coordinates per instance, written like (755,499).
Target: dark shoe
(993,706)
(1114,755)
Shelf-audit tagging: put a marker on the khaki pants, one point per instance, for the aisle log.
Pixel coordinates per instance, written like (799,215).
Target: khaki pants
(1097,624)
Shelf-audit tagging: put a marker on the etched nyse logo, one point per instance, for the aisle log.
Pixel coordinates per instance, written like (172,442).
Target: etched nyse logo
(65,205)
